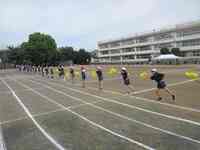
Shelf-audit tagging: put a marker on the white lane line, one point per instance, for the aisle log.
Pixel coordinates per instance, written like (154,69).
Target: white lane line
(89,121)
(124,104)
(149,100)
(35,115)
(54,142)
(47,113)
(9,92)
(169,85)
(125,117)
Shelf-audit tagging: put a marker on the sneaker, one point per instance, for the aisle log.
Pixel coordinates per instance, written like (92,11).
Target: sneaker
(159,98)
(173,97)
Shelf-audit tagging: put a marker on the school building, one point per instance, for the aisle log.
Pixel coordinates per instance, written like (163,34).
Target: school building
(142,47)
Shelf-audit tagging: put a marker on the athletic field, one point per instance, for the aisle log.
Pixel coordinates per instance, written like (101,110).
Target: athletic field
(38,113)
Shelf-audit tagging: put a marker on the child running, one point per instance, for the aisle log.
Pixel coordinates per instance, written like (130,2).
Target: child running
(83,76)
(126,80)
(72,73)
(158,78)
(100,77)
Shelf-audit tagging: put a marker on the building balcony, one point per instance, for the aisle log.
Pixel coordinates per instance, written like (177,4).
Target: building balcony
(189,37)
(189,48)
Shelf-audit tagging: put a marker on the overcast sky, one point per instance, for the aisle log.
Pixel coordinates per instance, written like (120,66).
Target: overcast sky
(81,23)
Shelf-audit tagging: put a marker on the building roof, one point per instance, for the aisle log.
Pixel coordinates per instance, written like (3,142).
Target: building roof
(155,31)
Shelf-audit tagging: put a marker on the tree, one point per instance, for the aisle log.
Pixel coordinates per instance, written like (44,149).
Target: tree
(40,48)
(164,51)
(16,55)
(176,51)
(66,54)
(83,57)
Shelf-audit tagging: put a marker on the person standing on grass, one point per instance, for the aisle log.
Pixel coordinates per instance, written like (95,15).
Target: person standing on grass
(161,85)
(72,73)
(126,80)
(83,76)
(100,77)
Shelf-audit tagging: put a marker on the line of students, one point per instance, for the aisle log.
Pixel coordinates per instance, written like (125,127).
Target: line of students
(49,72)
(155,76)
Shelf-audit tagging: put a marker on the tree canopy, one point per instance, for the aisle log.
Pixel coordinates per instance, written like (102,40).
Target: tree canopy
(42,49)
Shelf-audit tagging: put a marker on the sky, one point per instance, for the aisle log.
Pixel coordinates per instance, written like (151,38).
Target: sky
(82,23)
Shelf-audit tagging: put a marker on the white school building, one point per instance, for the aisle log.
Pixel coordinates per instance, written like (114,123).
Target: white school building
(142,47)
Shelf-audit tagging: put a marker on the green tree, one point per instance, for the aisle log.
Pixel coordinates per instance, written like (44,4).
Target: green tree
(16,55)
(83,57)
(66,54)
(176,51)
(40,48)
(164,51)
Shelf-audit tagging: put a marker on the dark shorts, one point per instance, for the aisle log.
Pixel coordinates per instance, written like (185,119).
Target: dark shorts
(100,78)
(161,85)
(126,81)
(83,77)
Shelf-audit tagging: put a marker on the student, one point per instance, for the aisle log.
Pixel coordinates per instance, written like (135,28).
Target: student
(61,71)
(51,72)
(100,77)
(72,73)
(158,78)
(126,80)
(47,71)
(43,70)
(83,76)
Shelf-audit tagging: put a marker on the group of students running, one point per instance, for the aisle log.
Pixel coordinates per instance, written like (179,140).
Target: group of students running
(49,72)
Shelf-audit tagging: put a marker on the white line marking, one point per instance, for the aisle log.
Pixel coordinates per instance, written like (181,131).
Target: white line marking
(9,92)
(47,113)
(56,144)
(91,122)
(125,117)
(35,115)
(169,85)
(127,105)
(152,101)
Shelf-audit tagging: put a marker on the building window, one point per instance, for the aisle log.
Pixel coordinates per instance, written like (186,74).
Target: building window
(103,46)
(163,36)
(115,51)
(144,48)
(128,57)
(144,56)
(128,42)
(188,32)
(196,53)
(104,52)
(165,45)
(128,50)
(189,43)
(115,58)
(143,40)
(114,44)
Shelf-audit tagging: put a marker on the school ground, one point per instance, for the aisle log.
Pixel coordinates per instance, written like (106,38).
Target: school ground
(38,113)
